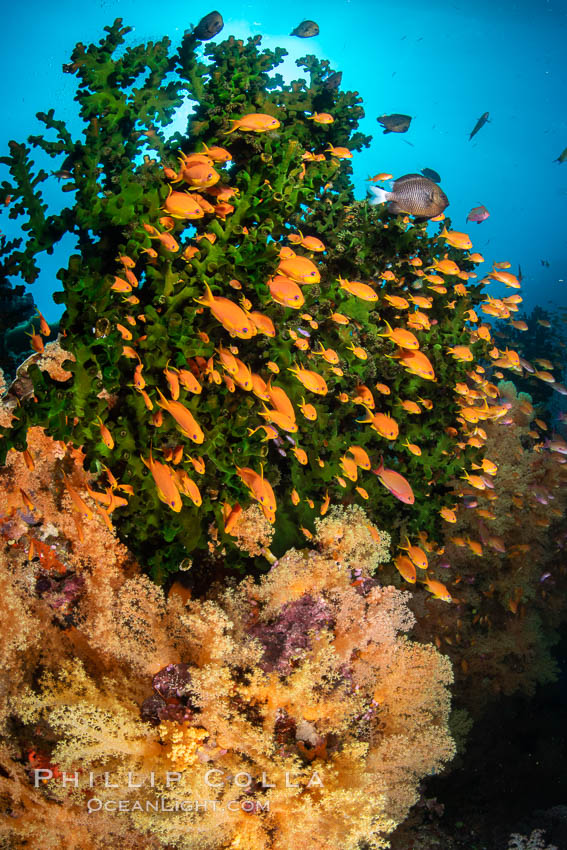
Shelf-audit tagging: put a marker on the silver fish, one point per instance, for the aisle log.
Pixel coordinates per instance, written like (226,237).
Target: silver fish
(413,194)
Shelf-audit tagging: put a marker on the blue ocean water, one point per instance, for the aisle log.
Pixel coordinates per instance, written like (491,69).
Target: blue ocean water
(443,63)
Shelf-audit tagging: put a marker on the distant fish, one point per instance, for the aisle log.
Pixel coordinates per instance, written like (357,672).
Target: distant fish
(545,263)
(431,174)
(479,124)
(306,29)
(209,26)
(333,82)
(395,123)
(562,157)
(413,194)
(62,174)
(520,276)
(478,214)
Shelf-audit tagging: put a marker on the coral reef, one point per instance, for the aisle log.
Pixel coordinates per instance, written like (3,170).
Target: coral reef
(255,374)
(297,705)
(194,296)
(535,841)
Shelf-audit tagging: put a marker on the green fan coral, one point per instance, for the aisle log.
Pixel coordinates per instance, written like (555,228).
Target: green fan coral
(212,364)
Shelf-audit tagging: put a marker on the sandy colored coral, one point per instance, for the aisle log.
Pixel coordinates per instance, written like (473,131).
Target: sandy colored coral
(303,686)
(252,531)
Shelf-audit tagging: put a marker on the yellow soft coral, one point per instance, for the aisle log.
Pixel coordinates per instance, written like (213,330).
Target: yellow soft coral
(183,742)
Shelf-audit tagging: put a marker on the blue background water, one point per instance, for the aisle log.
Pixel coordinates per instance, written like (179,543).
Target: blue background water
(443,63)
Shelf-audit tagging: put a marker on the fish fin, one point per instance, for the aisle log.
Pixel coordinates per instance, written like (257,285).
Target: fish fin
(380,195)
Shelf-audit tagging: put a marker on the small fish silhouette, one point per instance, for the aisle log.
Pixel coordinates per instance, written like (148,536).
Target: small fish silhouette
(431,174)
(479,124)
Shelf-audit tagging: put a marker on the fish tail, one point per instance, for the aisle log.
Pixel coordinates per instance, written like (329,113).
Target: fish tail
(208,298)
(380,195)
(228,132)
(163,402)
(380,466)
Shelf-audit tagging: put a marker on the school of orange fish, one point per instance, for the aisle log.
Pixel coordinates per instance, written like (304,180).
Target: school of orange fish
(479,400)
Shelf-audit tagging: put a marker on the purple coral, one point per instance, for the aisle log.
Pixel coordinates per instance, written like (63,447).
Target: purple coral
(60,592)
(172,700)
(173,681)
(285,636)
(155,709)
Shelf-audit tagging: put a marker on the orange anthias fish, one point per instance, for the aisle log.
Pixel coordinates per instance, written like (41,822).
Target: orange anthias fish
(416,554)
(340,153)
(280,400)
(311,243)
(105,434)
(360,456)
(172,378)
(461,353)
(360,290)
(231,516)
(456,239)
(446,266)
(36,341)
(188,486)
(448,514)
(230,315)
(189,382)
(217,154)
(506,278)
(405,568)
(184,418)
(78,504)
(395,483)
(198,175)
(329,354)
(286,292)
(349,467)
(286,423)
(438,590)
(183,206)
(397,301)
(300,270)
(255,122)
(260,489)
(417,363)
(311,380)
(308,410)
(44,328)
(383,424)
(402,337)
(264,324)
(320,118)
(165,482)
